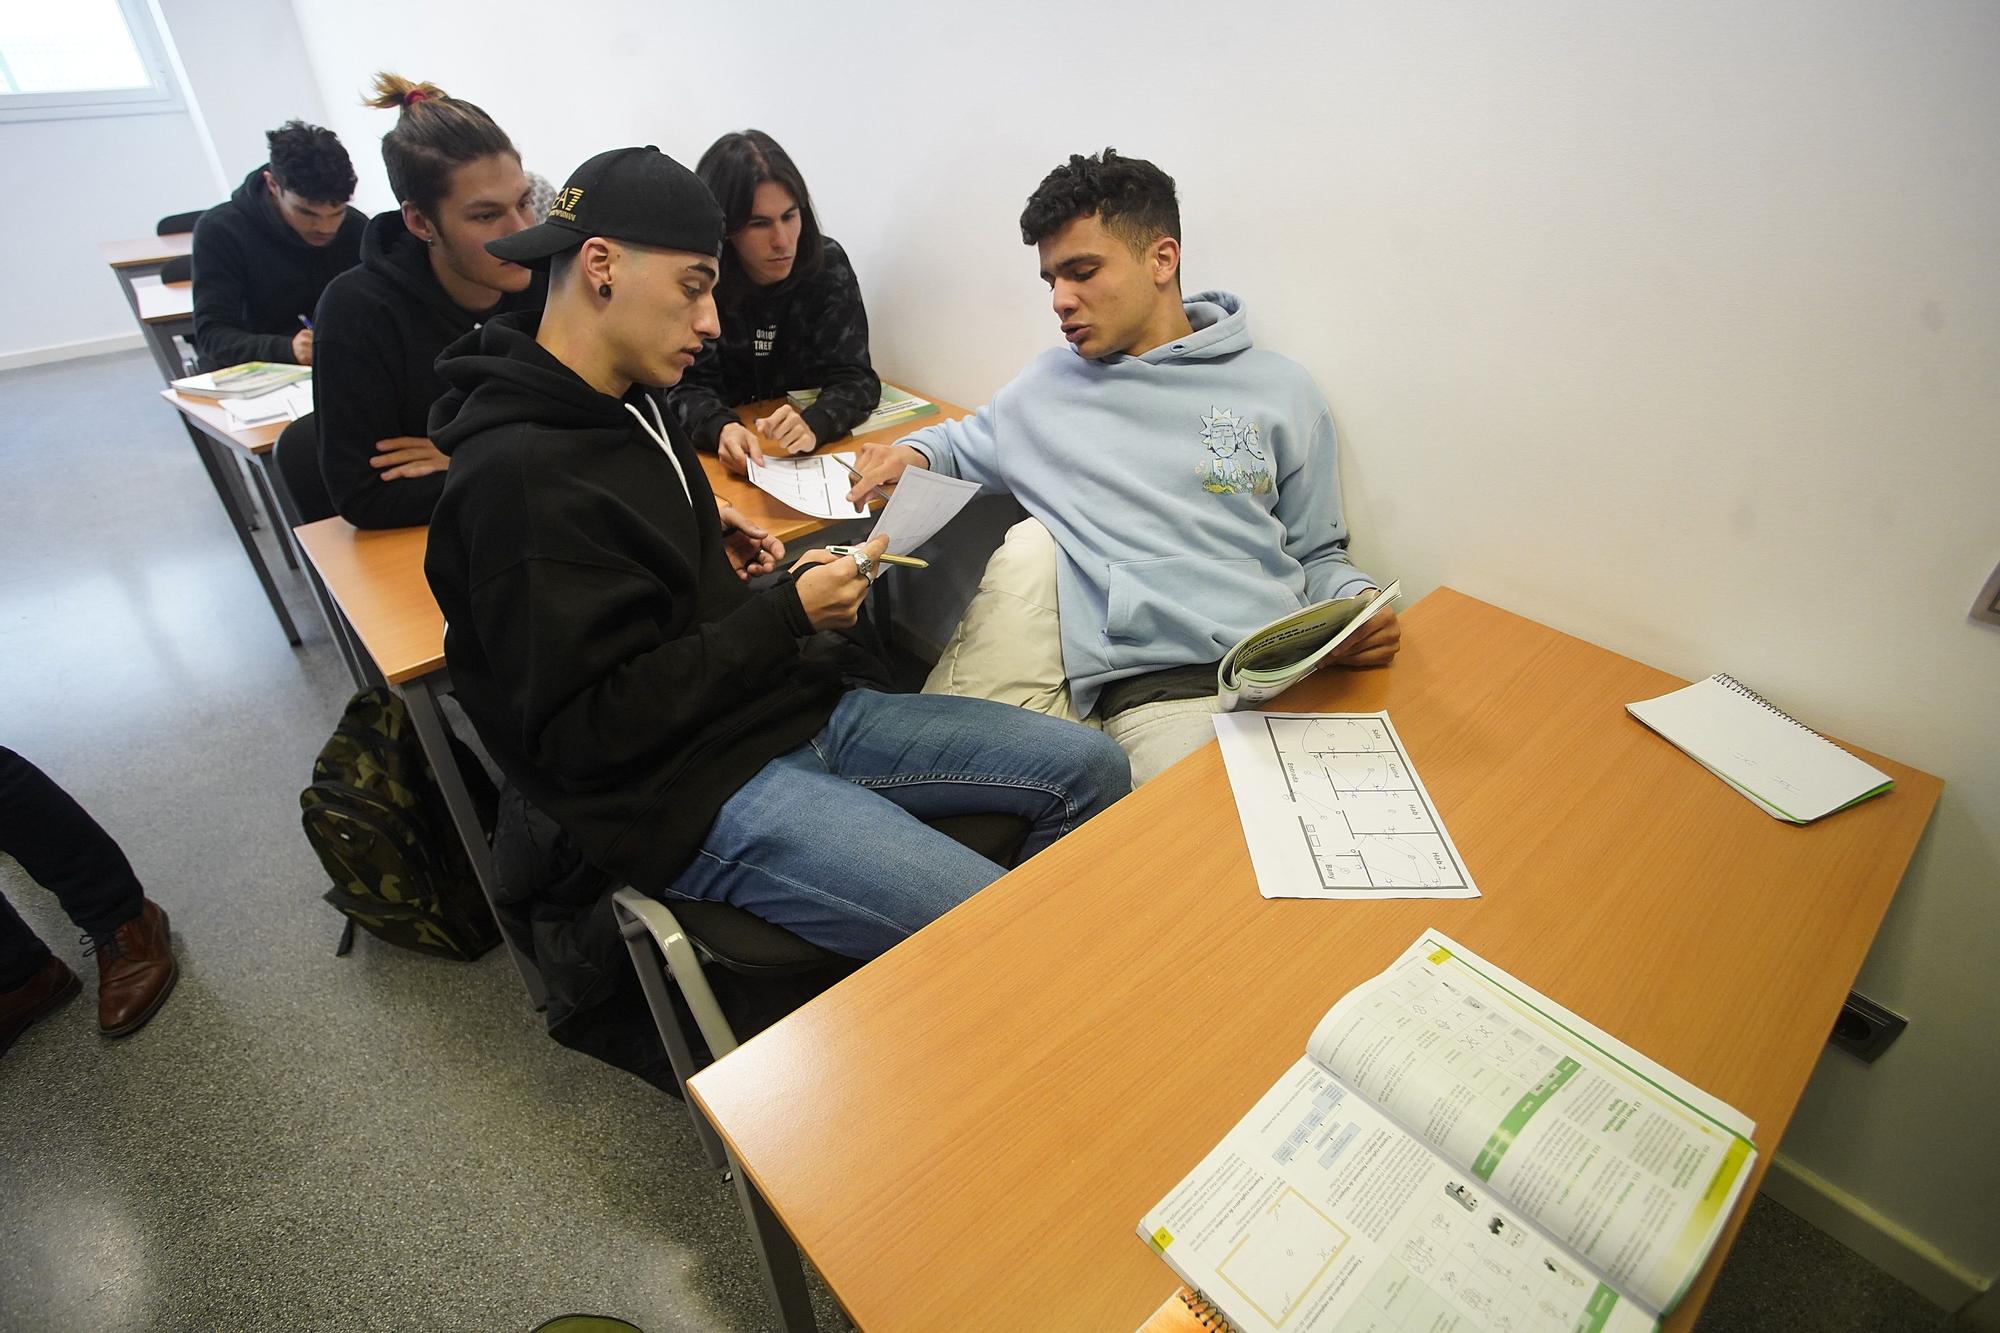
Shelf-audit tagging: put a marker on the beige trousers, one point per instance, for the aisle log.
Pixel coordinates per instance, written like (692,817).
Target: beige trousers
(1008,647)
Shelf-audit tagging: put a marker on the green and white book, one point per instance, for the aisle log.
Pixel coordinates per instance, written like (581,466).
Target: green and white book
(1456,1150)
(894,408)
(1271,660)
(242,381)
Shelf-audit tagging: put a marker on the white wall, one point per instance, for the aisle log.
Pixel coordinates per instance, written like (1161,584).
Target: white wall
(79,182)
(1672,326)
(75,183)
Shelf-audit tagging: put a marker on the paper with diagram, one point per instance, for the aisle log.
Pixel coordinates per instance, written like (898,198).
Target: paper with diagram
(1332,808)
(816,484)
(1457,1151)
(923,503)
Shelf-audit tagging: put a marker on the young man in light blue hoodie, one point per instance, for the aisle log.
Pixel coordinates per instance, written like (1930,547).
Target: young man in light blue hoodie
(1188,479)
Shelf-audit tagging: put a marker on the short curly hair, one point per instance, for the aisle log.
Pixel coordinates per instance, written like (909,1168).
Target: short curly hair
(1134,199)
(309,161)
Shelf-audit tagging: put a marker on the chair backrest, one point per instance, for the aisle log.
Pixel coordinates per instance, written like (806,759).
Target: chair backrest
(176,224)
(301,485)
(178,269)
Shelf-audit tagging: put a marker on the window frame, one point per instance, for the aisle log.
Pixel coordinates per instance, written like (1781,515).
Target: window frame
(162,96)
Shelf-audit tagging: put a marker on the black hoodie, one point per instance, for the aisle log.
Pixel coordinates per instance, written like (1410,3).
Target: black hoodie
(808,332)
(376,341)
(612,662)
(254,276)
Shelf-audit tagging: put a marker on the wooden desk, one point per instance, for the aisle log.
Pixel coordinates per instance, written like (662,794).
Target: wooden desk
(974,1123)
(164,302)
(142,253)
(166,312)
(219,446)
(142,257)
(779,519)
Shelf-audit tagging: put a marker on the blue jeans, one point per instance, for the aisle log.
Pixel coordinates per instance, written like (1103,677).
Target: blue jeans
(828,840)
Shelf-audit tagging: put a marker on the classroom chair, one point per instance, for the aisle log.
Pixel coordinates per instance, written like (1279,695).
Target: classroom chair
(178,269)
(687,937)
(177,224)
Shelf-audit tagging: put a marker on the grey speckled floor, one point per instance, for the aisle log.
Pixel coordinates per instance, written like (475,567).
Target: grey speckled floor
(384,1141)
(298,1141)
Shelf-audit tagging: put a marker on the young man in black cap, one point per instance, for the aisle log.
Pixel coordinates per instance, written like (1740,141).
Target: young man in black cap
(262,258)
(693,734)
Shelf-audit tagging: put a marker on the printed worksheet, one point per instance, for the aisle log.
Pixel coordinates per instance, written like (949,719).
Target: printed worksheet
(923,503)
(816,484)
(1332,808)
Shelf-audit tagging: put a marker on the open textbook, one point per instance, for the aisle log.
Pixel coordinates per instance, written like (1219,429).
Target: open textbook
(1457,1151)
(1271,660)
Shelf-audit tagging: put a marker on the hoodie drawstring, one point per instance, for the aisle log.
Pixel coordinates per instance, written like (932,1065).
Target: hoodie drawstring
(660,438)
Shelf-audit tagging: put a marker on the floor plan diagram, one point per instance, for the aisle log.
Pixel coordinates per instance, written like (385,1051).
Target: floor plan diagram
(1332,808)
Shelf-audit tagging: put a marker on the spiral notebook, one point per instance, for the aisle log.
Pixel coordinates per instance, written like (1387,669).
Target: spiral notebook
(1791,771)
(1186,1312)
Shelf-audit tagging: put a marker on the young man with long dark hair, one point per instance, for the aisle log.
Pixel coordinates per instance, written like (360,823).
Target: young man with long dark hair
(790,308)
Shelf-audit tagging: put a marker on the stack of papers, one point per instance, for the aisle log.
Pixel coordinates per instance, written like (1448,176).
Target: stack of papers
(286,404)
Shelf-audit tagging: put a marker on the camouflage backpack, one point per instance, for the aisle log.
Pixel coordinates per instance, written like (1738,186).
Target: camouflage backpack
(376,818)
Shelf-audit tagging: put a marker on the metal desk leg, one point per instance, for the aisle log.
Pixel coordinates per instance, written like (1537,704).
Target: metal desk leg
(218,474)
(420,695)
(359,667)
(267,494)
(777,1256)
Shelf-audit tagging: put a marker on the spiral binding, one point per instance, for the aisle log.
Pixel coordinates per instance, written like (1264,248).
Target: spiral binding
(1730,682)
(1205,1312)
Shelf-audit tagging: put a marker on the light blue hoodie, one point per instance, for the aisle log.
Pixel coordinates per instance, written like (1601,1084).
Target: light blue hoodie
(1193,491)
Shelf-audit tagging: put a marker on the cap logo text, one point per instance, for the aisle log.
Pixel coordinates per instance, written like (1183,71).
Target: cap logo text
(565,205)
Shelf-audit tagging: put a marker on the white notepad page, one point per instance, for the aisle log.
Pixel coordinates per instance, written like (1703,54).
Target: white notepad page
(1786,767)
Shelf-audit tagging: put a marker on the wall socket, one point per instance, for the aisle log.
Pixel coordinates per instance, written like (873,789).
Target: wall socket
(1864,1028)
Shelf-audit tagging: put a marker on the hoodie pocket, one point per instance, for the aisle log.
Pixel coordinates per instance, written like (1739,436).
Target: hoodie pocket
(1187,599)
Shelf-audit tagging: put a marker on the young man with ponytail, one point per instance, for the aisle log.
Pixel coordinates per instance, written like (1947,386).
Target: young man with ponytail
(693,733)
(425,278)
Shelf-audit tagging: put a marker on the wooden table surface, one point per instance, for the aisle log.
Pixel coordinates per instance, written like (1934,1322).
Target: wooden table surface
(974,1123)
(146,249)
(781,520)
(378,577)
(163,302)
(251,440)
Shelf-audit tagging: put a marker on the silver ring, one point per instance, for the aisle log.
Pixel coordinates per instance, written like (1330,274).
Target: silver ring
(866,564)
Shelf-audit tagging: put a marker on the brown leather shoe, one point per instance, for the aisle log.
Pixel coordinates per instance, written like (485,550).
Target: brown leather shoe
(135,972)
(34,998)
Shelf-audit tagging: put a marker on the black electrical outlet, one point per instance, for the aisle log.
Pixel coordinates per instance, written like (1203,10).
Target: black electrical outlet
(1865,1029)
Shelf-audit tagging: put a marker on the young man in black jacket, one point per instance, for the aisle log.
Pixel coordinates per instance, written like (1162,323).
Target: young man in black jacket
(688,730)
(262,258)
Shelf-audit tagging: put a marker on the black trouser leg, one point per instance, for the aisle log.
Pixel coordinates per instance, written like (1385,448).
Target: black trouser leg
(65,851)
(21,950)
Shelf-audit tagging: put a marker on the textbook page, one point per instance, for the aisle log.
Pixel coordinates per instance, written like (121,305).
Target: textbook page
(1331,807)
(1318,1214)
(1271,660)
(816,484)
(1632,1167)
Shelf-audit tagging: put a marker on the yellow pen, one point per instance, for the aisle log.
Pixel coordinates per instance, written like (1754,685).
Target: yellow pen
(906,561)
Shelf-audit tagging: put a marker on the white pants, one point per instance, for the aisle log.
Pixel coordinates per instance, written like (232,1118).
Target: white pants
(1008,647)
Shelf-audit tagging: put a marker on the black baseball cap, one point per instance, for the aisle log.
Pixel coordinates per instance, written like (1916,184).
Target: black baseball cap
(638,195)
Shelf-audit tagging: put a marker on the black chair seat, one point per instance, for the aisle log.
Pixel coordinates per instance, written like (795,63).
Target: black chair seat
(746,943)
